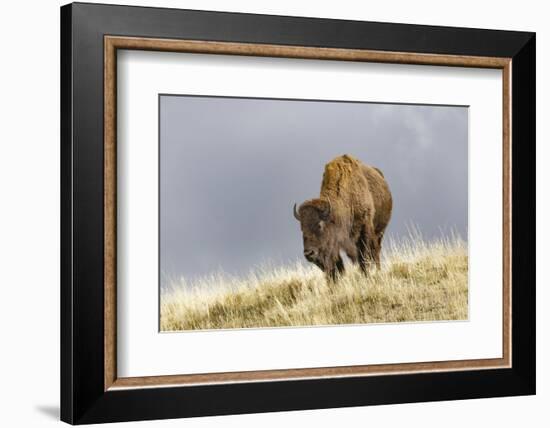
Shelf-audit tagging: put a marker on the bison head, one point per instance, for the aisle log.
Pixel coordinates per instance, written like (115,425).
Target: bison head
(315,217)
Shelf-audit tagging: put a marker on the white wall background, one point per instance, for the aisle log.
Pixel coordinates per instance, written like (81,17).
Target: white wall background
(29,218)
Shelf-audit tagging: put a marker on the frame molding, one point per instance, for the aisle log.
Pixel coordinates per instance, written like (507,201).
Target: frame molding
(90,390)
(114,43)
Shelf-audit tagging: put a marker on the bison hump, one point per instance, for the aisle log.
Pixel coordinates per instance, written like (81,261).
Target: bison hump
(377,170)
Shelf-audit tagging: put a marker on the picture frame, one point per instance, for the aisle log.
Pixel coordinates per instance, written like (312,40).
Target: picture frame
(91,390)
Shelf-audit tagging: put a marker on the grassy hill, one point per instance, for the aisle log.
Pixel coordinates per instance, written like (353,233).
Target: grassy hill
(419,281)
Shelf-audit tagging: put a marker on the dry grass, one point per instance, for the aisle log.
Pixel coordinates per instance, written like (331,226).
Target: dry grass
(419,281)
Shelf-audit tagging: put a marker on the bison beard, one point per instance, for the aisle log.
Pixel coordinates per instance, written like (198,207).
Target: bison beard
(350,215)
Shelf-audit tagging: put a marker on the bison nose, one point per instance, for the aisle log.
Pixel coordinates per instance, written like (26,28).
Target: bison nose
(309,254)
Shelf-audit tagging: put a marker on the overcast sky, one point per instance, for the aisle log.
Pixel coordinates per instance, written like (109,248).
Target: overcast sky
(231,170)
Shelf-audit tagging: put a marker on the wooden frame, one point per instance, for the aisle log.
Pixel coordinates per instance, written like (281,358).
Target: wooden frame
(112,43)
(513,53)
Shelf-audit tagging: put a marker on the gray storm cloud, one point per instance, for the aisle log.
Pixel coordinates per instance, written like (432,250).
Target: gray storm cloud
(231,170)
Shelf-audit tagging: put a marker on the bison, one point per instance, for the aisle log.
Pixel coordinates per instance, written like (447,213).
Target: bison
(350,215)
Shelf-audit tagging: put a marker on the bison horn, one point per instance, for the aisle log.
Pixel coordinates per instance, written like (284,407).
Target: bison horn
(296,215)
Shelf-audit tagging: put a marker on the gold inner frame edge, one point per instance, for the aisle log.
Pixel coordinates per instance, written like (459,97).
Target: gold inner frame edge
(113,43)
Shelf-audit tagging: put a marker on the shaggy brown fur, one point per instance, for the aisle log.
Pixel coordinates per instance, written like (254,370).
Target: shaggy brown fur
(350,215)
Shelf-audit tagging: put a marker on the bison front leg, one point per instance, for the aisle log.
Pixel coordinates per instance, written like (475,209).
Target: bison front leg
(340,266)
(336,269)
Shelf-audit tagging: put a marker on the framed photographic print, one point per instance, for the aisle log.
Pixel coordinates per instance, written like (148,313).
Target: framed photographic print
(264,213)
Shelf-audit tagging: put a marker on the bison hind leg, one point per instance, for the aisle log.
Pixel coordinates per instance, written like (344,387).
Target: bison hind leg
(368,247)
